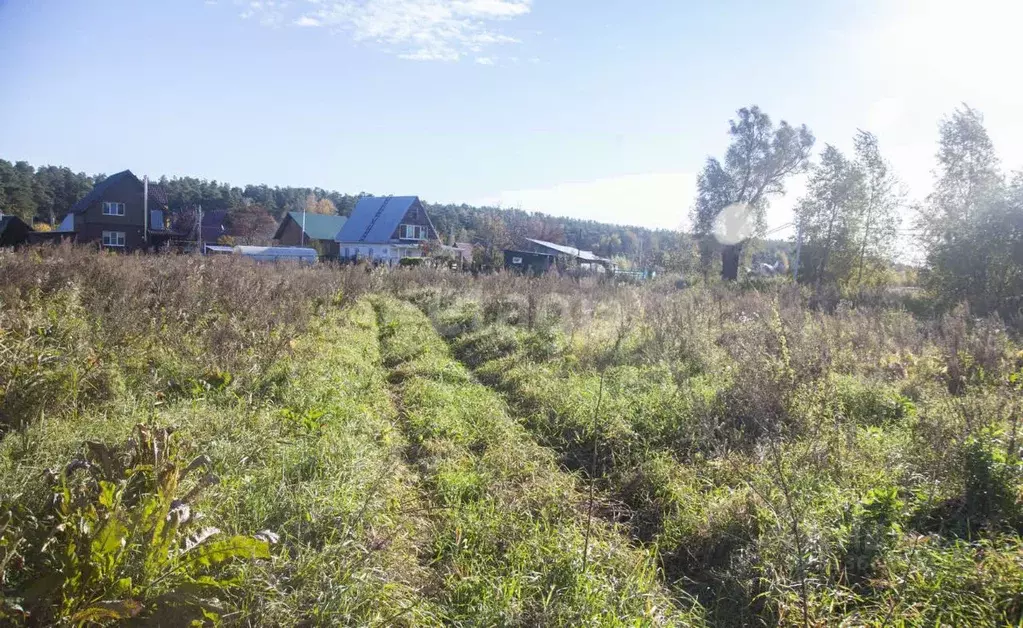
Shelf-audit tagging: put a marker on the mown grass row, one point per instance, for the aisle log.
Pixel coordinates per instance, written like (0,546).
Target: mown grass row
(317,462)
(784,500)
(510,527)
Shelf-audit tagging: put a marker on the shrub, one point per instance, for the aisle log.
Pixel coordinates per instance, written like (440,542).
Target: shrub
(455,322)
(543,343)
(121,540)
(875,528)
(992,491)
(871,403)
(506,308)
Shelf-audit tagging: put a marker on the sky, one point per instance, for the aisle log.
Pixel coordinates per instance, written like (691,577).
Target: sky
(594,109)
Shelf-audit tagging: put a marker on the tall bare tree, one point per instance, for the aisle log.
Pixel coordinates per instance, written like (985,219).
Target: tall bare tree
(757,162)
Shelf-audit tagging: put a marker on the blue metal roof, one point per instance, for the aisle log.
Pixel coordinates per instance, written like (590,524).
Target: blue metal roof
(375,218)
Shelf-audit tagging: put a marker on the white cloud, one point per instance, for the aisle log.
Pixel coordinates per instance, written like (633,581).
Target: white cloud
(268,12)
(658,200)
(485,60)
(422,30)
(492,8)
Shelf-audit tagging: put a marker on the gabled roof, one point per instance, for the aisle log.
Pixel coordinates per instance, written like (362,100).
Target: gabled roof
(99,189)
(375,218)
(212,226)
(317,226)
(156,192)
(67,225)
(586,256)
(214,218)
(8,220)
(158,195)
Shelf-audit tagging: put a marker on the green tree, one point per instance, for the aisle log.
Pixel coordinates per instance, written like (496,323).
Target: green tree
(17,194)
(883,196)
(972,224)
(757,162)
(828,215)
(968,176)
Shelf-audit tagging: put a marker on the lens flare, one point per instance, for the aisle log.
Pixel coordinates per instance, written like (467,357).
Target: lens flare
(734,224)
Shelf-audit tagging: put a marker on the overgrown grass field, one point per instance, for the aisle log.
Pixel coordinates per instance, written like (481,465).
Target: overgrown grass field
(208,441)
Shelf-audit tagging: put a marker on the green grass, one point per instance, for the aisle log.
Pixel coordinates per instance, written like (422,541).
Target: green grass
(753,461)
(510,534)
(324,471)
(752,484)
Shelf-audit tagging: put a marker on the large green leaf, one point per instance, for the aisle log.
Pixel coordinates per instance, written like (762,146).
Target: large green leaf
(216,552)
(107,543)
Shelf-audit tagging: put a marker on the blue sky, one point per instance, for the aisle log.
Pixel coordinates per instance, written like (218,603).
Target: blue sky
(593,109)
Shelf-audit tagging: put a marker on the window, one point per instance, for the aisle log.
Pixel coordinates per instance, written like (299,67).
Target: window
(113,238)
(516,260)
(383,252)
(113,209)
(347,254)
(371,252)
(413,232)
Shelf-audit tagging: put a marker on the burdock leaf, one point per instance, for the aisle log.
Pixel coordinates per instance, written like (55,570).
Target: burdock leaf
(217,552)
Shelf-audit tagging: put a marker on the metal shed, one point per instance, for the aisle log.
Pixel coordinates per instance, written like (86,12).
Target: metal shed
(278,253)
(528,262)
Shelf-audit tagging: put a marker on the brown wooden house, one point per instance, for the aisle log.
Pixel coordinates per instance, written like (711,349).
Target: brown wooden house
(113,215)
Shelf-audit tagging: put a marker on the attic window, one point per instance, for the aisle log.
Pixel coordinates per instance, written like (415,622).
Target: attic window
(113,209)
(413,213)
(412,232)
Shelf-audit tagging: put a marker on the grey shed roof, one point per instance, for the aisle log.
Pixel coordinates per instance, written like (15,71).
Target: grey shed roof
(375,218)
(587,256)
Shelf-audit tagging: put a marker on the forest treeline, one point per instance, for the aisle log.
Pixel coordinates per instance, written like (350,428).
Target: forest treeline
(43,195)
